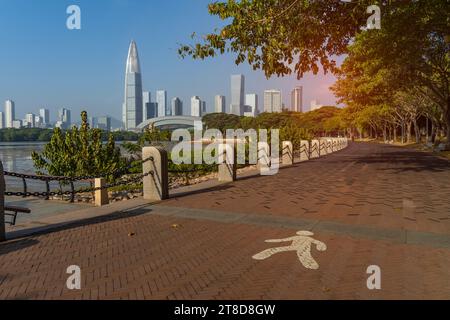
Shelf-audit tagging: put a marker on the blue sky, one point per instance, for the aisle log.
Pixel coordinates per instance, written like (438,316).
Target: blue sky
(43,64)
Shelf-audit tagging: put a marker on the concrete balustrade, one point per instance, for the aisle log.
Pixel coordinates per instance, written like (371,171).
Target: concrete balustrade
(101,196)
(287,153)
(2,204)
(315,149)
(304,150)
(227,163)
(329,146)
(156,184)
(322,148)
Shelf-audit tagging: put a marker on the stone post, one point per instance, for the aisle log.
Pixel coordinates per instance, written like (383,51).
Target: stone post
(304,150)
(323,147)
(227,163)
(2,204)
(156,184)
(101,196)
(314,151)
(288,153)
(328,144)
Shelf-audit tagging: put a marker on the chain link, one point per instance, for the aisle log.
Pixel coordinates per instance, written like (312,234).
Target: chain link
(74,179)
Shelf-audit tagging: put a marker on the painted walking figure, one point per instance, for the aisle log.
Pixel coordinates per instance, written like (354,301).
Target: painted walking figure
(300,243)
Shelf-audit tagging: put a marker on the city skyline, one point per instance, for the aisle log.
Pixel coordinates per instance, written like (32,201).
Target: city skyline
(66,57)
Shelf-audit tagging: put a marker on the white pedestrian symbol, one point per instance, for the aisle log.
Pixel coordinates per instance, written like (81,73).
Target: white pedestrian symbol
(300,243)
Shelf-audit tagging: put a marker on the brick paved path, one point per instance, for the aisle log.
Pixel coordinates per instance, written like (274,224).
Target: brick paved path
(370,204)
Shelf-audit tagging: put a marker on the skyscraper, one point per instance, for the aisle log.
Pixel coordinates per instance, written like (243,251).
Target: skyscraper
(45,114)
(146,96)
(219,104)
(196,106)
(161,100)
(297,99)
(2,120)
(251,105)
(273,101)
(237,94)
(104,123)
(177,107)
(10,113)
(133,105)
(64,118)
(30,119)
(203,107)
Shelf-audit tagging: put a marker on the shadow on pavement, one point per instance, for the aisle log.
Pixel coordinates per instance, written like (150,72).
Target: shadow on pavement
(15,245)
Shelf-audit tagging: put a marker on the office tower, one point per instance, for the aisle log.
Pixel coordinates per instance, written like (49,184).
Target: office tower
(92,122)
(251,105)
(177,107)
(16,124)
(104,123)
(152,110)
(219,104)
(146,100)
(297,99)
(30,120)
(45,115)
(237,94)
(39,122)
(64,117)
(10,113)
(272,101)
(161,100)
(315,105)
(203,107)
(196,107)
(132,107)
(2,120)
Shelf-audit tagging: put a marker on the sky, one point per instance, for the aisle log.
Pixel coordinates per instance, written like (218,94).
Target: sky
(44,64)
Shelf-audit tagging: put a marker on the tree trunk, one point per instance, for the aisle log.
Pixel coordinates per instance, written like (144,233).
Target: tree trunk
(408,131)
(395,133)
(447,119)
(416,131)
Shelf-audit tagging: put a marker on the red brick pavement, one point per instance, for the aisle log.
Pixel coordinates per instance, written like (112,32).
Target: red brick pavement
(145,256)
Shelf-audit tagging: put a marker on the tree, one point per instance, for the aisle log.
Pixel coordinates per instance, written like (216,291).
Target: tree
(79,152)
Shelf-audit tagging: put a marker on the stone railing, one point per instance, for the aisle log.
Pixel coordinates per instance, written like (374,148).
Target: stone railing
(156,185)
(155,167)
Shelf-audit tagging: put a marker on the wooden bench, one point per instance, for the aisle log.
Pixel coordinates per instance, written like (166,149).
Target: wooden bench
(14,211)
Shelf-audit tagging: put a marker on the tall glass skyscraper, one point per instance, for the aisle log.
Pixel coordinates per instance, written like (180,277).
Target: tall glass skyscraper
(237,94)
(161,100)
(133,106)
(10,113)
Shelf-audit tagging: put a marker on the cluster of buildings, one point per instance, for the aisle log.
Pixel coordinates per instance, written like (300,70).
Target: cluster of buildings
(42,120)
(139,107)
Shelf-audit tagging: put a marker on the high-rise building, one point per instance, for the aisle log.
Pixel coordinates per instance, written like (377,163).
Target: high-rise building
(203,107)
(104,123)
(237,94)
(251,105)
(2,120)
(161,100)
(64,117)
(17,124)
(30,119)
(177,107)
(219,104)
(196,106)
(146,100)
(273,101)
(297,99)
(45,114)
(315,105)
(10,113)
(133,106)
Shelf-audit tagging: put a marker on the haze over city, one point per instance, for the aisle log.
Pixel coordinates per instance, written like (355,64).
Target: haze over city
(48,66)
